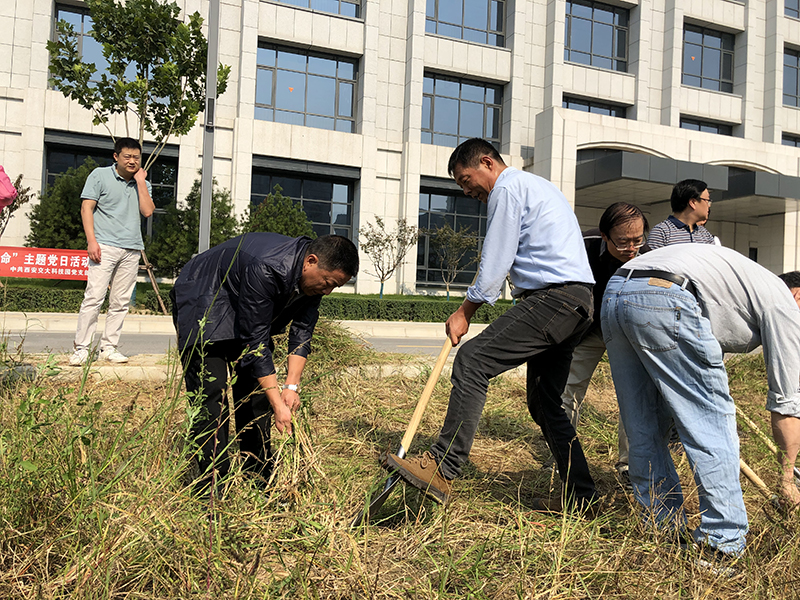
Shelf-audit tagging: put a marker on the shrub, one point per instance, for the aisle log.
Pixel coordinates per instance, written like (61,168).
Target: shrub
(56,220)
(279,214)
(175,238)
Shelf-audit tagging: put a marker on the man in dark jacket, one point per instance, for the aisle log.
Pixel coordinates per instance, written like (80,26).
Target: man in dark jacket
(622,231)
(228,302)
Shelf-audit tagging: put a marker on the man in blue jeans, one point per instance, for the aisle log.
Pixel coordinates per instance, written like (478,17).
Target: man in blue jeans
(667,317)
(532,235)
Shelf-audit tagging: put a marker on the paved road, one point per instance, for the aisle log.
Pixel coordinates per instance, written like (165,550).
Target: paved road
(153,343)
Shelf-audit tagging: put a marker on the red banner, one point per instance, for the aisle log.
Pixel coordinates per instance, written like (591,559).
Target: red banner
(43,263)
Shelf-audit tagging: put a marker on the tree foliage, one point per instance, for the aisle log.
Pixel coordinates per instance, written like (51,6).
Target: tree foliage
(387,249)
(453,249)
(24,196)
(56,220)
(156,68)
(175,237)
(279,214)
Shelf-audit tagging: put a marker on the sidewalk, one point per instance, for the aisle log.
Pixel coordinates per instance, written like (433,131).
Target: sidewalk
(157,367)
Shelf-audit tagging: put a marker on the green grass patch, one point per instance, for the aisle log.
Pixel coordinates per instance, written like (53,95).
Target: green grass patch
(94,501)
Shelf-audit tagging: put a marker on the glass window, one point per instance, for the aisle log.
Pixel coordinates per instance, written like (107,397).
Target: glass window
(708,59)
(597,35)
(599,108)
(347,8)
(328,203)
(706,126)
(163,176)
(454,110)
(305,88)
(791,8)
(437,208)
(791,81)
(89,49)
(790,140)
(480,21)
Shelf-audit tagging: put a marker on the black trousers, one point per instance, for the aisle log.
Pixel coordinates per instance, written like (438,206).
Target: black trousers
(542,330)
(207,374)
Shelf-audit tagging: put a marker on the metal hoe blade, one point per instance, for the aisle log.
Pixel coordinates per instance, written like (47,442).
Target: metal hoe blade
(376,503)
(391,482)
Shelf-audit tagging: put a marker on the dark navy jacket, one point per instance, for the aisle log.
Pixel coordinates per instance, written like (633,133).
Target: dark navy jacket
(248,290)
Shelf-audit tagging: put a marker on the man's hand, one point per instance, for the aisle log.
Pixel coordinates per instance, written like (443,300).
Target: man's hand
(140,176)
(94,251)
(456,326)
(458,323)
(291,399)
(283,418)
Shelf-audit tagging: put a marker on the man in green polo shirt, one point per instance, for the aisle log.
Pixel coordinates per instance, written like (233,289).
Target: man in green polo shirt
(113,198)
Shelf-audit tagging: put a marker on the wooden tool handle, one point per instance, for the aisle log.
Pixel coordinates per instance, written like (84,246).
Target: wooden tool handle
(405,444)
(759,483)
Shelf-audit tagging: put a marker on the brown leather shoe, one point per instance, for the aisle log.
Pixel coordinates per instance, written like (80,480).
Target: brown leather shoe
(423,473)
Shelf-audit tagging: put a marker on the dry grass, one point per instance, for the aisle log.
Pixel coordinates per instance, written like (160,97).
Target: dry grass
(94,503)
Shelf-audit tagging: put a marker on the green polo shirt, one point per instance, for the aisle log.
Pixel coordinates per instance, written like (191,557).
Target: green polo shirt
(117,220)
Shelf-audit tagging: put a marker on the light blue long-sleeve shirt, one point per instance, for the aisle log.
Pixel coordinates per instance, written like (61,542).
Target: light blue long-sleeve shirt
(532,234)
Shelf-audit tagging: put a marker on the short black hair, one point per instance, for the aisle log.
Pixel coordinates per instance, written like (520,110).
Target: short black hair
(620,213)
(468,154)
(684,191)
(126,142)
(335,253)
(791,279)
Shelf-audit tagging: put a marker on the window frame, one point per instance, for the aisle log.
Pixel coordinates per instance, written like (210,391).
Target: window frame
(791,11)
(308,5)
(423,243)
(428,133)
(347,230)
(593,106)
(618,62)
(495,37)
(721,128)
(789,140)
(795,96)
(716,84)
(339,81)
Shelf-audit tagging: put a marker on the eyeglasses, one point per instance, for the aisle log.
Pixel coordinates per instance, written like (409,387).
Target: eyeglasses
(709,200)
(624,245)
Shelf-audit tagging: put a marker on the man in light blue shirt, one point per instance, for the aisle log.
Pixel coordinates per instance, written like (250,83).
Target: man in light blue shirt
(532,235)
(113,198)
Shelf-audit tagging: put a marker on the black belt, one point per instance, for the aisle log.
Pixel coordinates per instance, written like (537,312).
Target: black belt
(527,293)
(684,282)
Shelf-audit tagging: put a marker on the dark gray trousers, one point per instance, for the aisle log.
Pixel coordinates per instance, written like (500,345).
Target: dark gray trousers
(542,330)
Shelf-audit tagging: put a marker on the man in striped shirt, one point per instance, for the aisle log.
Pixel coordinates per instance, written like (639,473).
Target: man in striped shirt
(691,204)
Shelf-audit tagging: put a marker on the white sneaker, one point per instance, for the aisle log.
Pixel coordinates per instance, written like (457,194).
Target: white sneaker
(79,358)
(113,355)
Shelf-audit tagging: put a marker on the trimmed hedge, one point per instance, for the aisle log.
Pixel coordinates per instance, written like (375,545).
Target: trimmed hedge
(353,308)
(413,310)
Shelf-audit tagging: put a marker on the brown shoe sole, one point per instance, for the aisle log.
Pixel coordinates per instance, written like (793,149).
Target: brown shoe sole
(431,492)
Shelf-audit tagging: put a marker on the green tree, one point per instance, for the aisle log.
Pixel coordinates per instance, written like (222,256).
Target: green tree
(453,249)
(279,214)
(156,68)
(175,237)
(387,249)
(56,220)
(23,197)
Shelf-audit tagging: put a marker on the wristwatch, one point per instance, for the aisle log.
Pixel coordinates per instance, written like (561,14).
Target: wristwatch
(292,386)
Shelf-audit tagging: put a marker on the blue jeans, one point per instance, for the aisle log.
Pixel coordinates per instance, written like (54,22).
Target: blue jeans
(666,364)
(542,330)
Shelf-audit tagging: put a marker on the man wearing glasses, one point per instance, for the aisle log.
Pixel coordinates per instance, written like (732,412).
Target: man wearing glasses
(617,240)
(691,205)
